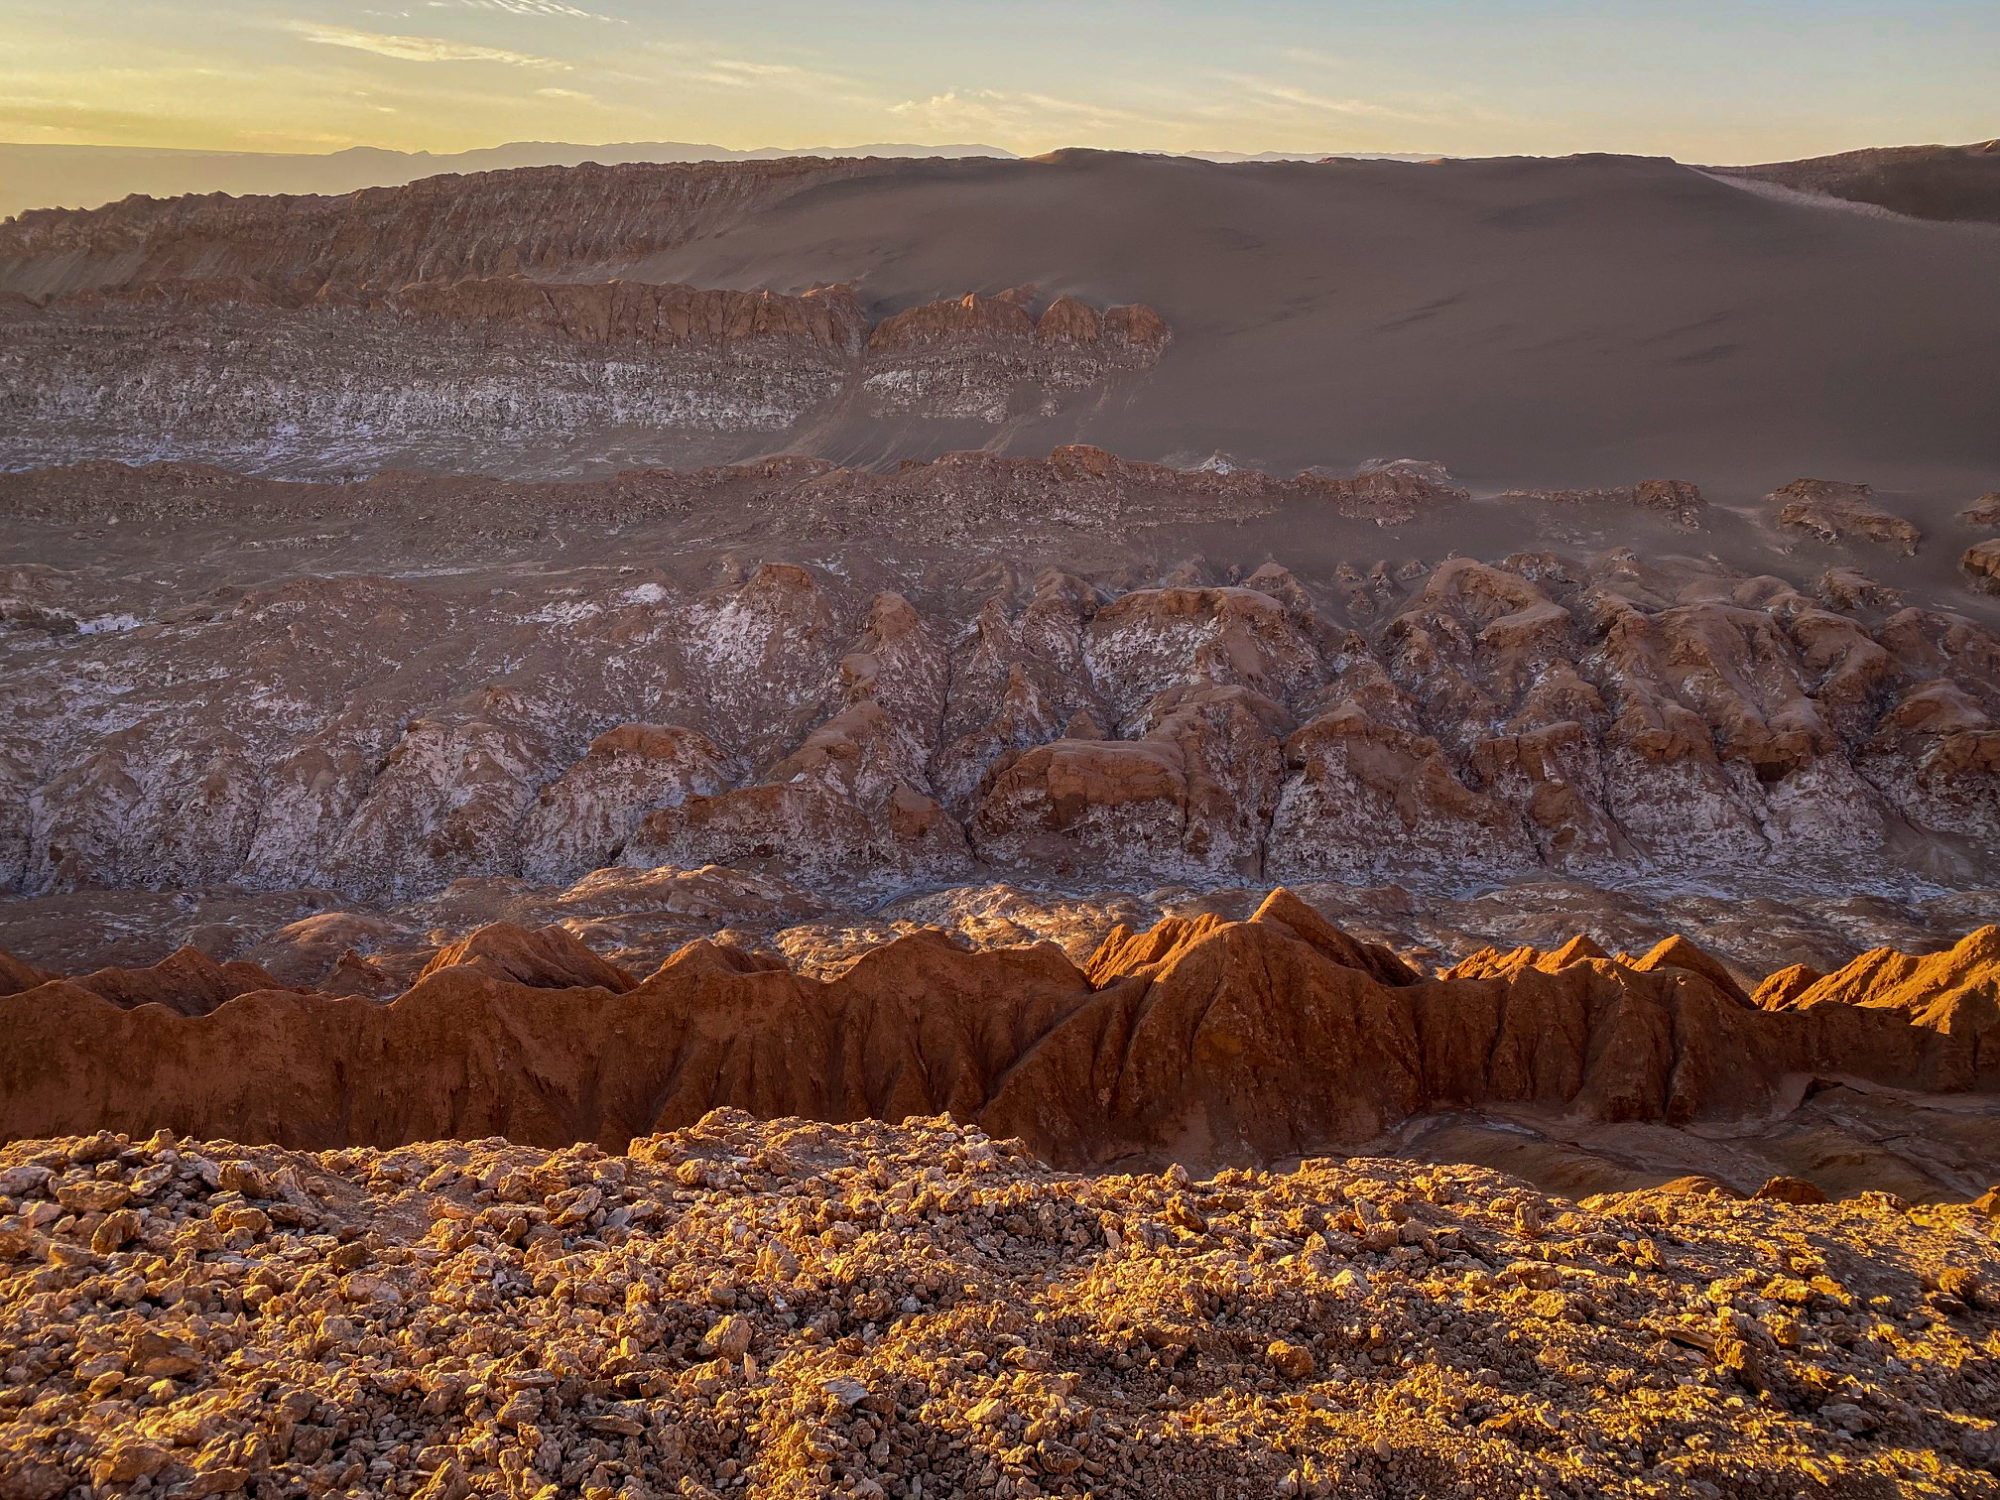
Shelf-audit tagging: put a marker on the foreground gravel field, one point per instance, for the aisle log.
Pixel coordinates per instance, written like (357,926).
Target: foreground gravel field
(792,1309)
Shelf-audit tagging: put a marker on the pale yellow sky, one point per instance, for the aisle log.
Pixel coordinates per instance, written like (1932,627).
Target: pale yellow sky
(1700,80)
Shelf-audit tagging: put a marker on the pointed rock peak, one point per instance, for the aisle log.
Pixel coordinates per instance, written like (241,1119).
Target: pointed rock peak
(1283,908)
(1071,321)
(705,956)
(18,975)
(1125,952)
(1779,990)
(545,958)
(187,981)
(1083,725)
(1492,963)
(1981,947)
(1887,978)
(890,617)
(1677,952)
(1577,950)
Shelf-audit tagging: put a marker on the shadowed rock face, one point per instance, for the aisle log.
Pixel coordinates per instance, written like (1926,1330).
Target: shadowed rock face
(1201,1038)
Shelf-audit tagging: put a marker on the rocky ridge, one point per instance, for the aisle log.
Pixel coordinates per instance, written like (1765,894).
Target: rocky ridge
(530,222)
(1926,182)
(1200,1039)
(1835,510)
(473,323)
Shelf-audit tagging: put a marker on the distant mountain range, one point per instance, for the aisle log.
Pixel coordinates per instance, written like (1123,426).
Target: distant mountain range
(38,176)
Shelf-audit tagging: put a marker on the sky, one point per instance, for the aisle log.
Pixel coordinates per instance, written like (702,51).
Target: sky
(1755,80)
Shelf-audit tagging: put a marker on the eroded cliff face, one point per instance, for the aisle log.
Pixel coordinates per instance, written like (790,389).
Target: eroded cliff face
(522,376)
(1441,724)
(452,228)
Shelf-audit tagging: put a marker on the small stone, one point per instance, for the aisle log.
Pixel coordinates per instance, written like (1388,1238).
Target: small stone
(730,1338)
(96,1196)
(849,1392)
(1293,1361)
(1790,1190)
(116,1232)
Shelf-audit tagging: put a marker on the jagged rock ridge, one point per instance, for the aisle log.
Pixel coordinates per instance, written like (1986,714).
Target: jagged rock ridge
(1200,1038)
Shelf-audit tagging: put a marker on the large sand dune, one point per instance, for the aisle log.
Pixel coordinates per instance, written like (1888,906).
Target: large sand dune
(1565,321)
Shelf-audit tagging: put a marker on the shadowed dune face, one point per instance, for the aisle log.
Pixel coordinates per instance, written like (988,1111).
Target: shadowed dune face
(1202,1039)
(1532,321)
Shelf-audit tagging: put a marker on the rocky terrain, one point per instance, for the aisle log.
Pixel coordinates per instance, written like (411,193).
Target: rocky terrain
(831,826)
(269,712)
(430,372)
(792,1309)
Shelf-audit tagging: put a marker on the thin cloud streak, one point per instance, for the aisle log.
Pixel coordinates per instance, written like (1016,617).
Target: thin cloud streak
(420,49)
(553,8)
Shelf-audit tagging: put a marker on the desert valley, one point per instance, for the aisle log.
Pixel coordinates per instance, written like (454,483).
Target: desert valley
(951,826)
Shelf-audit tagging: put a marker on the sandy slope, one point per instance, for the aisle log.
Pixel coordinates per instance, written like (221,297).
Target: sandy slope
(1553,321)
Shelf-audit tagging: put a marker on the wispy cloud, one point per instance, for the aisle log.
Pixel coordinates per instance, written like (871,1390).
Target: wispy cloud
(555,8)
(1005,110)
(749,75)
(1273,92)
(565,94)
(424,49)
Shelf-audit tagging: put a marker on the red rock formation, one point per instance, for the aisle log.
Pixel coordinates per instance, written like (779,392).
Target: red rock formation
(1955,994)
(1981,564)
(548,958)
(187,982)
(1780,990)
(1835,511)
(1208,1039)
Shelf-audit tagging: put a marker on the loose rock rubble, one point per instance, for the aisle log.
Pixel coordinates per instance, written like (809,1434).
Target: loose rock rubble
(791,1309)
